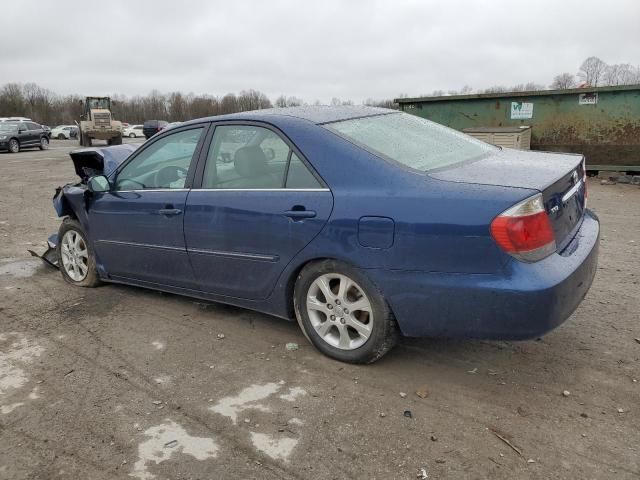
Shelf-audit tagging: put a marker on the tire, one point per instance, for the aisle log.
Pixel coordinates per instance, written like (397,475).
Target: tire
(330,327)
(61,136)
(44,143)
(71,260)
(132,135)
(14,146)
(115,141)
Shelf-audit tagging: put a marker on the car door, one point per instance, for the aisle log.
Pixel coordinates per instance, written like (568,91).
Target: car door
(35,132)
(250,216)
(137,227)
(25,135)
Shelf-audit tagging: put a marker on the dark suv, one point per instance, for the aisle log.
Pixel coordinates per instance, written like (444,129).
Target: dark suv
(15,136)
(151,127)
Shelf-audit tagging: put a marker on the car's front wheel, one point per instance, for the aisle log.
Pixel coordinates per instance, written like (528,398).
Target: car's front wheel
(44,143)
(61,136)
(75,255)
(343,313)
(132,135)
(14,146)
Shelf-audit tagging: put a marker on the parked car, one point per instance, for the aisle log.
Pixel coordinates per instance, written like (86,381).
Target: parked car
(361,223)
(151,127)
(133,131)
(15,136)
(15,119)
(62,132)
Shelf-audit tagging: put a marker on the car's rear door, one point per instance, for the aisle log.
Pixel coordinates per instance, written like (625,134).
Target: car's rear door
(258,203)
(25,135)
(137,227)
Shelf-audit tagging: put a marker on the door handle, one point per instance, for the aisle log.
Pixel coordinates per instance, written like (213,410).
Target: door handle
(300,214)
(169,211)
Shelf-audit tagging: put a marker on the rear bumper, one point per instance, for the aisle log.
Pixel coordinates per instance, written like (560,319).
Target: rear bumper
(525,302)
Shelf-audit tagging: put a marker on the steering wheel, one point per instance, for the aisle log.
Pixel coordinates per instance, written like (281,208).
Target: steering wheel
(167,175)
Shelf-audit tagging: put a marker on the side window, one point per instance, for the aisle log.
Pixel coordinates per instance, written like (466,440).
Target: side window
(299,175)
(164,164)
(244,156)
(33,126)
(23,126)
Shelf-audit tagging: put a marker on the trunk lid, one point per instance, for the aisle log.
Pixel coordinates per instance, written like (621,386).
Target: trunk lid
(558,176)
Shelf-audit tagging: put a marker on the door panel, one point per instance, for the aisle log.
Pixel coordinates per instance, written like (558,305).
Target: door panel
(239,241)
(137,235)
(137,228)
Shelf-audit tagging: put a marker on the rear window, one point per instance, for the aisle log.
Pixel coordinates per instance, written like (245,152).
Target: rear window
(412,141)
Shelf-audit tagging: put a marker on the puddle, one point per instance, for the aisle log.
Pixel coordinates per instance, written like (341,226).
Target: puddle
(167,439)
(20,268)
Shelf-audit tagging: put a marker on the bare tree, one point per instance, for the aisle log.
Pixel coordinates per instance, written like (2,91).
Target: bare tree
(563,81)
(592,71)
(284,101)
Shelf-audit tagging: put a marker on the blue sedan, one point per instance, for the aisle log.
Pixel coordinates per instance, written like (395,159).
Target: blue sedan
(361,223)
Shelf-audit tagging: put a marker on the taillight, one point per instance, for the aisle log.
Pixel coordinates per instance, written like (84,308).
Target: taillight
(524,231)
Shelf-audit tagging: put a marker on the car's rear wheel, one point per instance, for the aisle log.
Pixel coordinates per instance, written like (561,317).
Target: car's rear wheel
(132,135)
(75,255)
(44,143)
(14,146)
(343,313)
(61,136)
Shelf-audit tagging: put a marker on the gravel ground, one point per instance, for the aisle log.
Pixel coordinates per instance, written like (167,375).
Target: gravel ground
(122,382)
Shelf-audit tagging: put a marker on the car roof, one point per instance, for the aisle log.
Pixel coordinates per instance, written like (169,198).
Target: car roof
(318,114)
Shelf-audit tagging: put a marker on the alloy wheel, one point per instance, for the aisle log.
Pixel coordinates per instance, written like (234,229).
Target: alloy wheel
(14,146)
(340,311)
(75,255)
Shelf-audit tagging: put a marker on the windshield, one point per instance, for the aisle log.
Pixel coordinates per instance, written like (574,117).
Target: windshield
(6,126)
(99,103)
(412,141)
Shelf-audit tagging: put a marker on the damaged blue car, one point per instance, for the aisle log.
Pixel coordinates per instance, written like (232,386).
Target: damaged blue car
(363,224)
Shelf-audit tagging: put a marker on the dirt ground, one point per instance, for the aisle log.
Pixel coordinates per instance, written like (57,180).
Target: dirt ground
(122,382)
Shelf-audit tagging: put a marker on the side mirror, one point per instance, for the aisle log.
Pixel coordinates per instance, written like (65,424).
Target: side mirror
(99,183)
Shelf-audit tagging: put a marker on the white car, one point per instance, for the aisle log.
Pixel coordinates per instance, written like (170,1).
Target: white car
(63,132)
(133,131)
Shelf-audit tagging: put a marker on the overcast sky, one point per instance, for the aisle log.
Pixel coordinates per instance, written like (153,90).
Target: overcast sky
(314,50)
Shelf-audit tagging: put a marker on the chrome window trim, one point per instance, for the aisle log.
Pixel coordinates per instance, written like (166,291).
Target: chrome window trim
(571,192)
(151,190)
(260,190)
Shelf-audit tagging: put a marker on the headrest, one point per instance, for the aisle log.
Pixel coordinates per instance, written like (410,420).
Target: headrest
(250,162)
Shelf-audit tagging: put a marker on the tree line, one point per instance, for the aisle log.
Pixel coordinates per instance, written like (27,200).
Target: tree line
(44,106)
(593,72)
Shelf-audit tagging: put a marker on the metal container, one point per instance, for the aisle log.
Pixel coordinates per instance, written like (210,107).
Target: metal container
(507,137)
(601,123)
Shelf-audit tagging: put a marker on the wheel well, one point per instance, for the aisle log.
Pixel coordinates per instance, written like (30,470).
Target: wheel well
(291,283)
